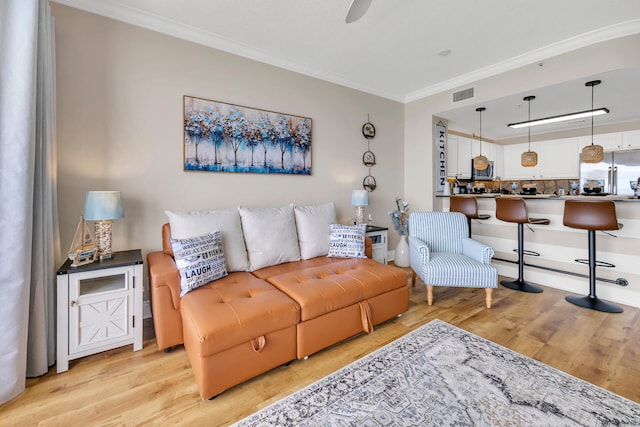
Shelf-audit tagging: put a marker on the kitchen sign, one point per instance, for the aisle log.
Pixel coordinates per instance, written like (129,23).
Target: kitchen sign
(441,156)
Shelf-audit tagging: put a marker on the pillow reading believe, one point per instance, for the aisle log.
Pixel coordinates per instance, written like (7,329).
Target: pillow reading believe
(199,259)
(347,241)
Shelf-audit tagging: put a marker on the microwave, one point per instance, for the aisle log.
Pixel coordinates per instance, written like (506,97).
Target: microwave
(482,175)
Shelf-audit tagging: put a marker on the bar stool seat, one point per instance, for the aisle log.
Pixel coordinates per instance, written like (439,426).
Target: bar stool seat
(592,215)
(515,210)
(468,206)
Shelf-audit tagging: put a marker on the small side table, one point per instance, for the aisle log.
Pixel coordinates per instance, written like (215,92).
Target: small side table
(378,237)
(99,306)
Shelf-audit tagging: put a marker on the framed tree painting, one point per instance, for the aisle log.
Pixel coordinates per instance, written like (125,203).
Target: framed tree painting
(220,137)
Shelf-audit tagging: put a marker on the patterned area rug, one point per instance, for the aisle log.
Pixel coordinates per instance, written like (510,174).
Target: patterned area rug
(440,375)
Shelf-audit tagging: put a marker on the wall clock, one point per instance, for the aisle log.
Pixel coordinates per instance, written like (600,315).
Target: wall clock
(368,158)
(368,130)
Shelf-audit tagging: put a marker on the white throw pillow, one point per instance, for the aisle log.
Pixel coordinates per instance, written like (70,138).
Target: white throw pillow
(347,241)
(199,259)
(270,236)
(313,225)
(198,223)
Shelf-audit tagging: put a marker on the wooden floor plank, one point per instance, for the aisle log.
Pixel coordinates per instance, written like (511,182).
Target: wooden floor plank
(122,387)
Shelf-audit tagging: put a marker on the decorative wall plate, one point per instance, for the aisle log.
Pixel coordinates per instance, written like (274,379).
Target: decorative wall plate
(369,183)
(368,130)
(368,158)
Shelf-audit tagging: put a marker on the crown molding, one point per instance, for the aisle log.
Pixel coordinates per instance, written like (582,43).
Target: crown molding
(173,28)
(600,35)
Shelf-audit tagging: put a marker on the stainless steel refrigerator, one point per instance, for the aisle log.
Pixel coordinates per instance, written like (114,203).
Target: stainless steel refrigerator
(614,174)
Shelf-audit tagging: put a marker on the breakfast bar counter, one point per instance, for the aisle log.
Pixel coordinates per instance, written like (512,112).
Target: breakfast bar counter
(559,246)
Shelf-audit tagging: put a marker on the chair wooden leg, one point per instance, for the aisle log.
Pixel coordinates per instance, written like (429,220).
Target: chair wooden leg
(430,294)
(413,278)
(488,298)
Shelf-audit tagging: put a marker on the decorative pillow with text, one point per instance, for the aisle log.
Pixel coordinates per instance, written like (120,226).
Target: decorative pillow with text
(347,241)
(199,259)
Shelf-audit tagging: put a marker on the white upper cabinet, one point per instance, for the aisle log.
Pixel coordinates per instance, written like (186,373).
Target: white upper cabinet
(512,168)
(609,141)
(631,139)
(557,159)
(459,156)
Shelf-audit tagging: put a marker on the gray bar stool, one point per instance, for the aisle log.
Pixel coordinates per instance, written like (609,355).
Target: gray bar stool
(468,206)
(514,209)
(592,215)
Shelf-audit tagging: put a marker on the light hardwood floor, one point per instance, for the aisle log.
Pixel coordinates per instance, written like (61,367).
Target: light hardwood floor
(122,387)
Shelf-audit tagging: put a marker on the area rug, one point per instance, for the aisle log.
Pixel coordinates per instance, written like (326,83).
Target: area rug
(440,375)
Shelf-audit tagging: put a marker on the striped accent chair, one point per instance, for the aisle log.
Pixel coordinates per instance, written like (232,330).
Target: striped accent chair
(442,254)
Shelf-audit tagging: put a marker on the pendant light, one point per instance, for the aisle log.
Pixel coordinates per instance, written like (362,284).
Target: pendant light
(480,162)
(592,153)
(529,158)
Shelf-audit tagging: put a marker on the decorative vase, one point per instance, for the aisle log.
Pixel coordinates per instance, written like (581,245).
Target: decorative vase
(401,258)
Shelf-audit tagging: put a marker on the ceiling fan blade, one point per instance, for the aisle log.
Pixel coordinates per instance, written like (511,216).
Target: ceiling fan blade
(357,9)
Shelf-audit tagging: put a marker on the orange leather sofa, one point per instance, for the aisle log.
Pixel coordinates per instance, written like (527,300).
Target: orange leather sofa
(247,323)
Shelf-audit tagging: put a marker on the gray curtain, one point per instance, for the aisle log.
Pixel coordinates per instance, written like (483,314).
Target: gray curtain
(29,240)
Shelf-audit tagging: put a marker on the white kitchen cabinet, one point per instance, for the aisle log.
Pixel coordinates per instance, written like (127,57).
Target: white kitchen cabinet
(465,148)
(631,139)
(459,157)
(557,159)
(452,155)
(513,169)
(609,141)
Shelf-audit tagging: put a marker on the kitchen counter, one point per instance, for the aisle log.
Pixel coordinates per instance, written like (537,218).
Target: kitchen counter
(559,246)
(551,197)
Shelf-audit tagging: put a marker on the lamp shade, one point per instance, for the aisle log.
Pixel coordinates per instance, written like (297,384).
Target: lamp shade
(103,205)
(359,198)
(529,159)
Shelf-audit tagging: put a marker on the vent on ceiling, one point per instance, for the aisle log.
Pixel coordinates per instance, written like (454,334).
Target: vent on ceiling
(463,94)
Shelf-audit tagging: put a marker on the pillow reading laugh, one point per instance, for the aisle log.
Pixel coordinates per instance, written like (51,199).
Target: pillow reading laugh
(347,241)
(199,259)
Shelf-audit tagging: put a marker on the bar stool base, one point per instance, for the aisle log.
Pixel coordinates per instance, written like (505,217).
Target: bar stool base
(594,303)
(521,285)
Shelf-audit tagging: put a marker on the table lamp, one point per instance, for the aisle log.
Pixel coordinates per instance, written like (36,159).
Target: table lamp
(103,207)
(359,199)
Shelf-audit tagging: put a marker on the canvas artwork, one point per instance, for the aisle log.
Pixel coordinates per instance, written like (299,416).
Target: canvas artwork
(222,137)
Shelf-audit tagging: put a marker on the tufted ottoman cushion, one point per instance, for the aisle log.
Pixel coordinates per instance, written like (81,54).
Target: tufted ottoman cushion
(236,328)
(342,298)
(325,288)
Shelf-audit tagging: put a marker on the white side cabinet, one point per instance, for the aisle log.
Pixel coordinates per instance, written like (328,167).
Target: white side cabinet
(99,306)
(378,237)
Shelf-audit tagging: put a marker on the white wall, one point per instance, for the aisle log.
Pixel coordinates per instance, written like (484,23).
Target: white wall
(120,97)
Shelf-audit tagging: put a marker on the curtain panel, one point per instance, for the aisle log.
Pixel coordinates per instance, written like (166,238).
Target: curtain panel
(29,241)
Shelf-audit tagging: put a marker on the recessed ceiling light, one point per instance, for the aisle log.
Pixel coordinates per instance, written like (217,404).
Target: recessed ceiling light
(444,52)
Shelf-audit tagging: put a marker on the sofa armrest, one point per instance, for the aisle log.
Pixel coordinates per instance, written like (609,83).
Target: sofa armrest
(368,247)
(164,284)
(477,250)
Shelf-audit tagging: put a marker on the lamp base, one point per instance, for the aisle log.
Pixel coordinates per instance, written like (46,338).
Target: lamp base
(359,215)
(103,232)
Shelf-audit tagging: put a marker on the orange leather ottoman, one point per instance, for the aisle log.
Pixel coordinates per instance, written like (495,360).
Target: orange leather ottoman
(342,298)
(236,328)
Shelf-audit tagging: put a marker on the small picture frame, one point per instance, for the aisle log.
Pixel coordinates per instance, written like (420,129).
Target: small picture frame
(368,158)
(368,130)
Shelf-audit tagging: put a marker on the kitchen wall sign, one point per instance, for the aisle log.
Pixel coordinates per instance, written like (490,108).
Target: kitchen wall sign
(440,166)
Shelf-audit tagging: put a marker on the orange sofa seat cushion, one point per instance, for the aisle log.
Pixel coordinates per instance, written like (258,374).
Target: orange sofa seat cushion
(329,287)
(236,309)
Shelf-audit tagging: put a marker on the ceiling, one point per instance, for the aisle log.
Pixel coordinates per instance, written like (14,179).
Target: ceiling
(395,50)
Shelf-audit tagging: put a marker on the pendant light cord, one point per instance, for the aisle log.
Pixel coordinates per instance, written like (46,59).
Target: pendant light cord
(592,114)
(529,127)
